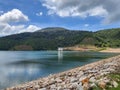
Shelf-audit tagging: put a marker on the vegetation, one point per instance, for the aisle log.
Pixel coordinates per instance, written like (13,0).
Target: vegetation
(108,38)
(115,77)
(52,38)
(109,85)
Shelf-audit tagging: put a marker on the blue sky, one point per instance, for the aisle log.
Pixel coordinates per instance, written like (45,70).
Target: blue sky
(18,16)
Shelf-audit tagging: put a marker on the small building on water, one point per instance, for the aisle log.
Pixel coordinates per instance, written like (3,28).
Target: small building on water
(60,54)
(60,49)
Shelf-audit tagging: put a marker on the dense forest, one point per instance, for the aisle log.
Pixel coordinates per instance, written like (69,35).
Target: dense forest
(52,38)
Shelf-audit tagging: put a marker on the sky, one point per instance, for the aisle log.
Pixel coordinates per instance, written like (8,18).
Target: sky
(17,16)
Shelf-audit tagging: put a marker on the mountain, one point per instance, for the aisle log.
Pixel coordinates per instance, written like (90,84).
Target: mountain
(52,29)
(52,38)
(108,38)
(45,39)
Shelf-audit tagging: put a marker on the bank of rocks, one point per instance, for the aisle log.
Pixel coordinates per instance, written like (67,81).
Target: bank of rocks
(86,77)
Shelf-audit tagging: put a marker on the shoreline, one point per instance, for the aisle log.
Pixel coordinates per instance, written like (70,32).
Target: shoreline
(111,50)
(74,79)
(92,48)
(82,49)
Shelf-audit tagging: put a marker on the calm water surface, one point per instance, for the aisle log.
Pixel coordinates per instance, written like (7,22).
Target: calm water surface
(17,67)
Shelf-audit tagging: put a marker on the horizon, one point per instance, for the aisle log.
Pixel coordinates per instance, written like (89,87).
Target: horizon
(18,16)
(59,27)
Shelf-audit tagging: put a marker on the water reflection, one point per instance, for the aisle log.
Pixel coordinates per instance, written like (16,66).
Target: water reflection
(60,56)
(19,67)
(12,75)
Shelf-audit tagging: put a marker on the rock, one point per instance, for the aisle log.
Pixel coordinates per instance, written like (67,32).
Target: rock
(60,88)
(86,80)
(53,86)
(110,86)
(86,86)
(69,74)
(93,85)
(58,80)
(107,80)
(73,79)
(82,78)
(92,79)
(79,87)
(29,89)
(63,83)
(102,84)
(42,89)
(75,85)
(115,84)
(37,86)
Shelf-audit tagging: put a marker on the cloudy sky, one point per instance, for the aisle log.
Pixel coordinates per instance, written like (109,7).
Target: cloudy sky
(18,16)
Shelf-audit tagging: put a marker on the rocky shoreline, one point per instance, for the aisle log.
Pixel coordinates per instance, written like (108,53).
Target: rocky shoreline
(82,78)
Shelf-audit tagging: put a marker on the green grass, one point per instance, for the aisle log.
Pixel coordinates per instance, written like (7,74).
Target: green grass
(115,77)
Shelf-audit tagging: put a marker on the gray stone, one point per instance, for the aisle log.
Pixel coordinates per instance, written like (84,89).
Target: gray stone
(42,89)
(73,79)
(115,84)
(92,79)
(58,80)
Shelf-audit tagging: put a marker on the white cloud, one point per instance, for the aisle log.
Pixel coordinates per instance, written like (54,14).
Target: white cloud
(39,14)
(30,28)
(14,15)
(98,11)
(109,9)
(6,29)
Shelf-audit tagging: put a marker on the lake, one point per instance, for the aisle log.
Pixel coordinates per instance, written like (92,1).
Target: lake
(17,67)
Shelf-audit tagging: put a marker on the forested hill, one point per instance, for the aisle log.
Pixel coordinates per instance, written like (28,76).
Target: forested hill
(52,38)
(108,38)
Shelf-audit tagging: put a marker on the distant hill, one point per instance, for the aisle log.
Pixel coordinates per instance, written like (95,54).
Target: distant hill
(108,38)
(52,29)
(52,38)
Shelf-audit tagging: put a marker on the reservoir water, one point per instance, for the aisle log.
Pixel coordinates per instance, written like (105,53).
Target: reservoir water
(17,67)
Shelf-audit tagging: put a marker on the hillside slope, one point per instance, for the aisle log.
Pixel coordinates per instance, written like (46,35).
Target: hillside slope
(52,38)
(108,38)
(45,39)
